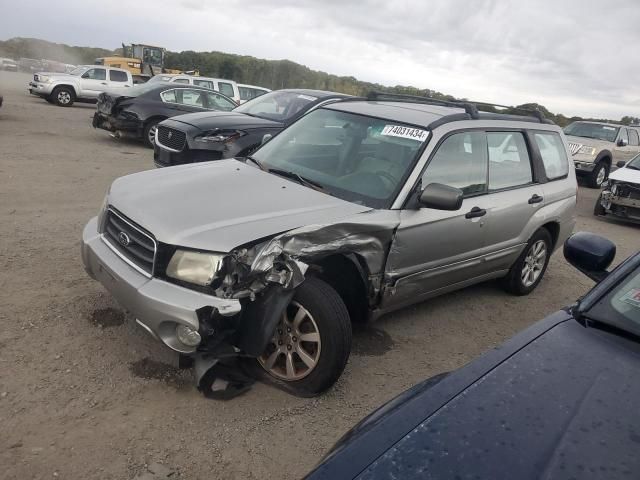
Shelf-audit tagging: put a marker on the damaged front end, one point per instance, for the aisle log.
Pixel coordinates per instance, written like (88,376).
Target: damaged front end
(622,199)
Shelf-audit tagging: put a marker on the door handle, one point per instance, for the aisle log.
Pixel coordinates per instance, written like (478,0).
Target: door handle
(535,199)
(103,83)
(476,212)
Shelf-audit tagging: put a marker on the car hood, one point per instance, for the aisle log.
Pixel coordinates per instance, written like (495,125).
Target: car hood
(561,406)
(213,120)
(55,74)
(625,175)
(590,142)
(220,205)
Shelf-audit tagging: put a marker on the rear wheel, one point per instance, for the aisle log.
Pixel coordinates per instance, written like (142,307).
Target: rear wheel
(311,344)
(599,174)
(63,96)
(527,272)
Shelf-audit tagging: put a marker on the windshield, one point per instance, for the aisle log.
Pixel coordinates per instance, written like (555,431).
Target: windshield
(607,133)
(634,163)
(78,71)
(279,106)
(359,159)
(621,306)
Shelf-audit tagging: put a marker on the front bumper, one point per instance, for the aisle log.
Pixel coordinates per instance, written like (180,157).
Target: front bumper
(40,89)
(158,306)
(626,208)
(166,158)
(583,163)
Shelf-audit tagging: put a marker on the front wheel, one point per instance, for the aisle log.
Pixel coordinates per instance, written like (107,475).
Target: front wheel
(599,174)
(63,96)
(527,272)
(311,344)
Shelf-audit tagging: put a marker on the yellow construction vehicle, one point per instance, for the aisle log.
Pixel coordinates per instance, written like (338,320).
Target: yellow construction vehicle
(143,61)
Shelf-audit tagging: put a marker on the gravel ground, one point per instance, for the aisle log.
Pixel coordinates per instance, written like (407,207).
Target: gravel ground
(84,394)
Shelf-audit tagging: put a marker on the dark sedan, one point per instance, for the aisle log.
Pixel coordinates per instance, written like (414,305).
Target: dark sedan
(138,113)
(201,137)
(559,400)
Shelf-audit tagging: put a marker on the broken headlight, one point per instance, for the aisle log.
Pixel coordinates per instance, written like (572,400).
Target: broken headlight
(219,136)
(194,267)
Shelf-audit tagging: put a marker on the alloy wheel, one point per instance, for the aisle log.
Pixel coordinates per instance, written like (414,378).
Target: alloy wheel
(152,134)
(601,176)
(534,263)
(64,97)
(294,349)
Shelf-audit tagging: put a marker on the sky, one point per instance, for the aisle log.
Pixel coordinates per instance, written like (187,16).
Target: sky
(575,57)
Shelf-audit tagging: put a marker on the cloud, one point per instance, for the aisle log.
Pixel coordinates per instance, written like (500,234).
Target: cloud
(575,57)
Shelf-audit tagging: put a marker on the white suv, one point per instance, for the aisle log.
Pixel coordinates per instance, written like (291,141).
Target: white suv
(228,88)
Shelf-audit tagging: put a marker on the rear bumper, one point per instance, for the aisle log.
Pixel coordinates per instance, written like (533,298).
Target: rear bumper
(158,306)
(114,124)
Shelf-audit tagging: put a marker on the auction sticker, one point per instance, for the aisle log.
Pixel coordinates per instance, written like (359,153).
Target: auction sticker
(632,297)
(405,132)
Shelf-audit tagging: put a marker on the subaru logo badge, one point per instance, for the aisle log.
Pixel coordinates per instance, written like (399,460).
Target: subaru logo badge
(169,135)
(124,239)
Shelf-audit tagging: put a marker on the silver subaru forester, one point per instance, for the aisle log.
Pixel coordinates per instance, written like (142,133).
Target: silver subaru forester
(361,207)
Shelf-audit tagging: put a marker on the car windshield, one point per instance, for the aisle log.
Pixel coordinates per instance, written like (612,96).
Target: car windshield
(279,106)
(78,71)
(592,130)
(634,163)
(621,306)
(359,159)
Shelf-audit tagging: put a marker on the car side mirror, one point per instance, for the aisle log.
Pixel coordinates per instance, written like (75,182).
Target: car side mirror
(265,138)
(441,197)
(590,253)
(622,142)
(85,75)
(621,164)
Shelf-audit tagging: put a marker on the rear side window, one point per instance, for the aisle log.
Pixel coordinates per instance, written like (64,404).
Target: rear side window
(553,153)
(169,96)
(226,89)
(193,98)
(509,164)
(460,162)
(117,76)
(204,83)
(633,138)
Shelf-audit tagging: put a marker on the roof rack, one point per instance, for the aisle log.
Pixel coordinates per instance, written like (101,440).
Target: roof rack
(470,107)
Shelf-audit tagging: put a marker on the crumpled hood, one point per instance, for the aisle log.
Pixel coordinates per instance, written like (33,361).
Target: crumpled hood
(220,205)
(223,120)
(626,175)
(590,142)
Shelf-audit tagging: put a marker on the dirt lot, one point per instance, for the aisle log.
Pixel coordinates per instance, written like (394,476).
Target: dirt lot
(84,394)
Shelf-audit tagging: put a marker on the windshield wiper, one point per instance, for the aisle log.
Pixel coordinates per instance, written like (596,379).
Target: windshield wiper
(299,178)
(633,167)
(257,162)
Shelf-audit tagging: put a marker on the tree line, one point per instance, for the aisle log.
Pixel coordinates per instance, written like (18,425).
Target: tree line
(273,74)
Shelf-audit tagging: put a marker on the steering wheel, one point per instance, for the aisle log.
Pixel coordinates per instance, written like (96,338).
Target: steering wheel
(393,181)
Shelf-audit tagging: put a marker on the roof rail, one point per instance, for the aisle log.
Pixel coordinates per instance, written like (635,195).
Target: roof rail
(470,108)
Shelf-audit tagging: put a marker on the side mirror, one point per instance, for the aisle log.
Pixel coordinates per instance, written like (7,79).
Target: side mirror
(265,138)
(441,197)
(590,253)
(621,164)
(622,142)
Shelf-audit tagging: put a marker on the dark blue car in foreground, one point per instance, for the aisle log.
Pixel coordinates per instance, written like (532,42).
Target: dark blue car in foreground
(559,400)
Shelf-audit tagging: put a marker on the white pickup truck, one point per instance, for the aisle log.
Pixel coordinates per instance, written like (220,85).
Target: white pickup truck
(83,84)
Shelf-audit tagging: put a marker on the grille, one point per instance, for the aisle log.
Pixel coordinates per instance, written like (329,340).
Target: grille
(574,147)
(136,246)
(171,138)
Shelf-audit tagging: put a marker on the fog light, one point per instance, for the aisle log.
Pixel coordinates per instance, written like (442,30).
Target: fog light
(188,335)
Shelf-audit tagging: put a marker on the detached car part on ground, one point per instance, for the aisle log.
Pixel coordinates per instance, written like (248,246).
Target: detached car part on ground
(596,147)
(358,209)
(137,112)
(82,84)
(620,195)
(213,136)
(559,400)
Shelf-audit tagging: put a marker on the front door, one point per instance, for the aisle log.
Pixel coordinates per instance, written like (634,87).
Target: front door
(622,149)
(436,249)
(93,82)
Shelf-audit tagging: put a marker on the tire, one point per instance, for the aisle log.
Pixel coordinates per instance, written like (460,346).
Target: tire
(598,209)
(63,96)
(149,133)
(596,177)
(514,282)
(322,309)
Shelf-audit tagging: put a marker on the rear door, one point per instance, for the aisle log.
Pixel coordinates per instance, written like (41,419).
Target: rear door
(118,79)
(229,89)
(93,82)
(514,197)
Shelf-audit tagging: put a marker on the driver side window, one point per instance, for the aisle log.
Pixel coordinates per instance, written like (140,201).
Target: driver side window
(460,162)
(95,74)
